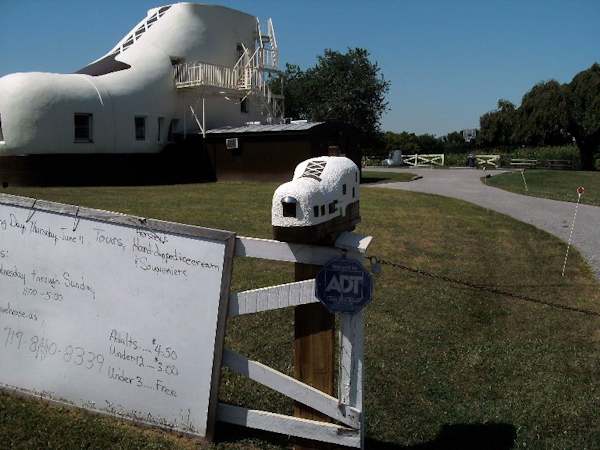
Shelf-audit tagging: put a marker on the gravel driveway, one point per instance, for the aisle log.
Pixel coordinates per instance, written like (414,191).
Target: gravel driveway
(550,215)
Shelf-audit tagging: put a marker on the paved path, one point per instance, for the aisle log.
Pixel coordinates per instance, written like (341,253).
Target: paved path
(550,215)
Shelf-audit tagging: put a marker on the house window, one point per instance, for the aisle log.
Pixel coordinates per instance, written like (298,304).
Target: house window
(244,106)
(289,206)
(172,128)
(343,189)
(316,211)
(160,131)
(322,210)
(83,126)
(140,128)
(1,133)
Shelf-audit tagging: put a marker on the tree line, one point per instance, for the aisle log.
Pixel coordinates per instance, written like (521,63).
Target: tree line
(551,113)
(348,86)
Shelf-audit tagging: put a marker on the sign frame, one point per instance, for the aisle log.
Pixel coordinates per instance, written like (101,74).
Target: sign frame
(228,238)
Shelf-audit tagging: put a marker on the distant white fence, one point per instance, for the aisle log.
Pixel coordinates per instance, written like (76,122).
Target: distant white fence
(488,160)
(424,160)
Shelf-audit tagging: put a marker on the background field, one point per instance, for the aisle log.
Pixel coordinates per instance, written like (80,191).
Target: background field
(554,184)
(446,366)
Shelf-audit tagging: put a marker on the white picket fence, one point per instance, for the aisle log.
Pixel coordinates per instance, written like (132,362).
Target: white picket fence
(347,409)
(425,160)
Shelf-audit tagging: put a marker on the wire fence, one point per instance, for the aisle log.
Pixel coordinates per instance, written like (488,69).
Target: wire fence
(375,262)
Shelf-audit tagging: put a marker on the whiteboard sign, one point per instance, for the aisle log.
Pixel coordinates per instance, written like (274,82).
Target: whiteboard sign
(113,313)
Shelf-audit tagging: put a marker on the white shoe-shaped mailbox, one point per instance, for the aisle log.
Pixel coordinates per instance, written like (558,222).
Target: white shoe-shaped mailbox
(321,201)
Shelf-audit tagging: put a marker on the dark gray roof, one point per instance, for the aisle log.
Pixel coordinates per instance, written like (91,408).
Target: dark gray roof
(265,128)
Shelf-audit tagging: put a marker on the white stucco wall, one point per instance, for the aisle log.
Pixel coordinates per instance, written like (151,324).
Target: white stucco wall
(37,109)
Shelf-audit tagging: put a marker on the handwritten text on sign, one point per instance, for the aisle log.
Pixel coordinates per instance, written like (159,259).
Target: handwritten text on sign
(114,318)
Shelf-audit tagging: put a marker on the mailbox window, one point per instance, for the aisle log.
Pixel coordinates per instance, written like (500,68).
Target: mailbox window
(344,189)
(322,210)
(353,192)
(333,207)
(289,206)
(316,211)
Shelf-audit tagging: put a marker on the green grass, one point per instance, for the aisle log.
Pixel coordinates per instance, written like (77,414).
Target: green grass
(374,176)
(554,184)
(444,365)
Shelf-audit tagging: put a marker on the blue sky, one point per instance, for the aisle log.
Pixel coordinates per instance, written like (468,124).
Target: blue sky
(448,61)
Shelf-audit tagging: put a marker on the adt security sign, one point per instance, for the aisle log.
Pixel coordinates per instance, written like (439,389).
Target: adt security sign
(343,285)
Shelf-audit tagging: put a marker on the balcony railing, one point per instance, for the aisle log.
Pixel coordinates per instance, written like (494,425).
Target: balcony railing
(205,74)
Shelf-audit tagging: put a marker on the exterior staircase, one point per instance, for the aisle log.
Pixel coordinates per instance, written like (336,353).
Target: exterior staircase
(249,76)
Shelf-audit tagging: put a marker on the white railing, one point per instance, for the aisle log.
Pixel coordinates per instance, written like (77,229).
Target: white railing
(205,74)
(248,76)
(136,32)
(424,160)
(267,58)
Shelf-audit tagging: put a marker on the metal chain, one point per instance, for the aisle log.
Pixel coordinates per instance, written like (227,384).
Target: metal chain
(480,287)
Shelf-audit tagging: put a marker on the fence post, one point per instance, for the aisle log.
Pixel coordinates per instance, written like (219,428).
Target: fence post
(314,330)
(314,336)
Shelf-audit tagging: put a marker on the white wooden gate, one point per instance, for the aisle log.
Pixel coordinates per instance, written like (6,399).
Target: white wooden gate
(347,409)
(488,160)
(424,160)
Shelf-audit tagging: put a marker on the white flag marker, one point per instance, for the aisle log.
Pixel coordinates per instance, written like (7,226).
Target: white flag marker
(524,182)
(580,191)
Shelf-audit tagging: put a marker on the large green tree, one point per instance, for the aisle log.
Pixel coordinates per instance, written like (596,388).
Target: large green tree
(583,111)
(551,114)
(543,116)
(497,127)
(341,86)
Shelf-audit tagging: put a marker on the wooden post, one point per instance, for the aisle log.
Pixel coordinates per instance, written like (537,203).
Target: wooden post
(314,341)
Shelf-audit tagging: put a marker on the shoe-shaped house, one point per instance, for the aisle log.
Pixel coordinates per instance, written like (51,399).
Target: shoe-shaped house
(183,69)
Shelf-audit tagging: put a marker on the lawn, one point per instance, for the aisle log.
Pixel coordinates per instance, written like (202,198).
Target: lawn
(446,366)
(375,176)
(554,184)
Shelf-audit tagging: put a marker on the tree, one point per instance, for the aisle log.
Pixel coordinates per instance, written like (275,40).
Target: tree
(405,141)
(296,104)
(497,127)
(454,142)
(583,111)
(551,114)
(430,144)
(543,116)
(341,86)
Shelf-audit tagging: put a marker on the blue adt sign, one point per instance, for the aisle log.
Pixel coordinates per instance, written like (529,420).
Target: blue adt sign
(343,285)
